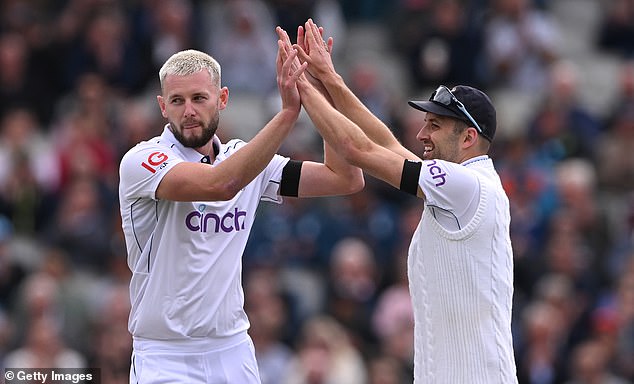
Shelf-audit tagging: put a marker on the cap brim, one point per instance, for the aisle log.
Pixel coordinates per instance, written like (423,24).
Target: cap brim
(430,106)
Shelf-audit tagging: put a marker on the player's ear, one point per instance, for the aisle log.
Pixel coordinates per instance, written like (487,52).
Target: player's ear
(223,98)
(161,103)
(470,137)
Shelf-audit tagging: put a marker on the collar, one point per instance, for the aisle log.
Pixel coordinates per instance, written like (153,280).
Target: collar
(475,160)
(189,154)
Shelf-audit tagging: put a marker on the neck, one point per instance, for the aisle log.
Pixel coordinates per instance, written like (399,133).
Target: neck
(207,150)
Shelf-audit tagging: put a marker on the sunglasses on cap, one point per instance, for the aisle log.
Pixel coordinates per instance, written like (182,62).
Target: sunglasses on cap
(444,96)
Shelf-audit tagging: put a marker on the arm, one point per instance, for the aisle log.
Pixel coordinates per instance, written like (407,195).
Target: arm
(350,141)
(316,53)
(334,176)
(193,181)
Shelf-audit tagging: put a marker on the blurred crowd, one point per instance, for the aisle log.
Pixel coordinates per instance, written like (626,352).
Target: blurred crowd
(325,281)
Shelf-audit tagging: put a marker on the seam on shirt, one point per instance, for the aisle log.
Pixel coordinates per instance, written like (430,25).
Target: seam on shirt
(132,221)
(444,210)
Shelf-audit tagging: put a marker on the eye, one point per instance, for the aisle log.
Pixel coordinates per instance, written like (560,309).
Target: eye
(200,98)
(176,101)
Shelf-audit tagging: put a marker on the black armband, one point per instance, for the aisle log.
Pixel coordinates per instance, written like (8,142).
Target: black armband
(409,177)
(290,178)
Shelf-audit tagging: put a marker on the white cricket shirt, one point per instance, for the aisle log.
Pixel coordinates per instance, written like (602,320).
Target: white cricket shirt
(460,270)
(186,257)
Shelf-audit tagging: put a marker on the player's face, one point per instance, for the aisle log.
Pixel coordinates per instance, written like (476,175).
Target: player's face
(439,138)
(191,104)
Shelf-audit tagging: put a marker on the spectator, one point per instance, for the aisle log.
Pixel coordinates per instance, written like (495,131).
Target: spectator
(241,35)
(20,74)
(325,354)
(590,364)
(616,28)
(270,320)
(44,349)
(562,126)
(521,43)
(393,318)
(353,283)
(448,52)
(540,360)
(27,186)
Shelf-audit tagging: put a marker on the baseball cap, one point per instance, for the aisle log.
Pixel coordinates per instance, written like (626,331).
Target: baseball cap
(462,102)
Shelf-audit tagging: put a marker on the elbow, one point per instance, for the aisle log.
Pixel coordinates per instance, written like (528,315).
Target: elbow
(227,191)
(355,153)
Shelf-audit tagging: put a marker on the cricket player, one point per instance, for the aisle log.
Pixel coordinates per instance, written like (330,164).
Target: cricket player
(188,202)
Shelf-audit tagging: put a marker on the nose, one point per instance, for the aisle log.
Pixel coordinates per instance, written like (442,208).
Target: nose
(189,109)
(422,134)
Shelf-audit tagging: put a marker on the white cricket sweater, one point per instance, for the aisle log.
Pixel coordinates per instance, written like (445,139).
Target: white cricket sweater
(461,279)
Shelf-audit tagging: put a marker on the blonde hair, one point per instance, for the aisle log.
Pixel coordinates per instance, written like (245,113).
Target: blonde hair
(188,62)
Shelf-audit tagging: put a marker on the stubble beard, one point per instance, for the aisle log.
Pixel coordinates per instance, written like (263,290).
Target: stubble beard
(196,141)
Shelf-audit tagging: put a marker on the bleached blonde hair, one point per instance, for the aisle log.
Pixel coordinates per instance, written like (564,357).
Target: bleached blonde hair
(188,62)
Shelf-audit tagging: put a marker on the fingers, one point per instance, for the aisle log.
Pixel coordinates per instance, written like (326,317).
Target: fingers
(314,37)
(303,55)
(291,66)
(311,39)
(281,33)
(300,37)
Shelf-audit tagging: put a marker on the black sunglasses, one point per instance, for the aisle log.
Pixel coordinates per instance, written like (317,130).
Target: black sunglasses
(445,97)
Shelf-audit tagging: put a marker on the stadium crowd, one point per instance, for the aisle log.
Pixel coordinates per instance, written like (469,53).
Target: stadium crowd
(325,282)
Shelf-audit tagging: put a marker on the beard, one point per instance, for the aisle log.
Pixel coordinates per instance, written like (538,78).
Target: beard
(196,141)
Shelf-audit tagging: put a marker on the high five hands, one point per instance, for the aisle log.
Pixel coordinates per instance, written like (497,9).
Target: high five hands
(312,51)
(289,71)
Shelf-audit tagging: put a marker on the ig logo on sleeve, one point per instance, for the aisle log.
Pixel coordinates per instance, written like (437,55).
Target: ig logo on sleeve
(155,161)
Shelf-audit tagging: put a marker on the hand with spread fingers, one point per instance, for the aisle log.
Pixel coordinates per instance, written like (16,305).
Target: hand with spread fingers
(286,41)
(289,70)
(314,50)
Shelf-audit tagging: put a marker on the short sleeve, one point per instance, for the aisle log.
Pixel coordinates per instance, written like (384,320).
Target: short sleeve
(449,186)
(142,169)
(273,179)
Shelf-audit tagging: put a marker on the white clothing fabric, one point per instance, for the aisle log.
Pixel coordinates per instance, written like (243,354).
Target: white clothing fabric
(234,363)
(186,257)
(460,269)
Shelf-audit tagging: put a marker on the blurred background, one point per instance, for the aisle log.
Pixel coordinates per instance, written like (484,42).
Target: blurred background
(325,281)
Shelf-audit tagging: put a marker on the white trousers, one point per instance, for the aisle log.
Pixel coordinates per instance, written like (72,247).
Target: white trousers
(229,365)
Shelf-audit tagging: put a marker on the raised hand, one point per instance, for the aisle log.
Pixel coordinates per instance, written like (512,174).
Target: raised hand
(314,50)
(289,70)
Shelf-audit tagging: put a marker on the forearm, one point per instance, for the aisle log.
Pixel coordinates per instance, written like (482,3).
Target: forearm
(346,102)
(350,178)
(339,132)
(248,162)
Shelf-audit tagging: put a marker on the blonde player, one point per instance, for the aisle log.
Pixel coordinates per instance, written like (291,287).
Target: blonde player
(188,202)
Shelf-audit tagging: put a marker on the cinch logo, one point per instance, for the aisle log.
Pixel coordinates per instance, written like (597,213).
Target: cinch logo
(155,161)
(436,172)
(203,222)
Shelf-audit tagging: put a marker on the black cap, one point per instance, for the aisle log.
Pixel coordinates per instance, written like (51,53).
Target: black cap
(477,103)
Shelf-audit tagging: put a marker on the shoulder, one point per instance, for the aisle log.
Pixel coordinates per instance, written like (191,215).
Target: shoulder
(147,157)
(146,148)
(231,146)
(439,172)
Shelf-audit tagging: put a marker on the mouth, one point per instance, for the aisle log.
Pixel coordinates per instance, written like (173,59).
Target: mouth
(190,126)
(427,148)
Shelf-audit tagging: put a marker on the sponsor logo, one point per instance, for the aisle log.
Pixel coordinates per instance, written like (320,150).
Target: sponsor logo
(154,162)
(199,221)
(436,172)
